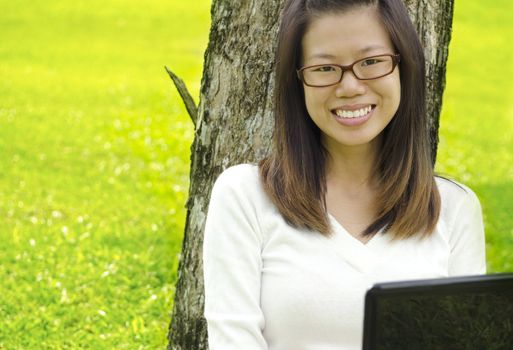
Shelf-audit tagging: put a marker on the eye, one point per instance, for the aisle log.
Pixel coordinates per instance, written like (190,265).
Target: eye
(324,69)
(370,61)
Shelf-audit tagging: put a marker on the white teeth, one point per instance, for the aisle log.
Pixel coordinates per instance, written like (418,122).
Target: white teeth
(353,114)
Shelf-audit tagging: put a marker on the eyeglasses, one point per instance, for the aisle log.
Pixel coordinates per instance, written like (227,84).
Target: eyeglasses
(374,67)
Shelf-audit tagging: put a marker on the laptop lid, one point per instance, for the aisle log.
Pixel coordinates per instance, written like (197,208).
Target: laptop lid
(471,312)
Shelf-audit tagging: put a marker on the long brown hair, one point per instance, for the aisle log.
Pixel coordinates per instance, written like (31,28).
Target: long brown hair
(294,174)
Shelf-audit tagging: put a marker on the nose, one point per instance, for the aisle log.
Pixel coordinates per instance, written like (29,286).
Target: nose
(350,86)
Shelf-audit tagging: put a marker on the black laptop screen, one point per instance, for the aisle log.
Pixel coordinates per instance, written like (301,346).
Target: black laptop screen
(448,316)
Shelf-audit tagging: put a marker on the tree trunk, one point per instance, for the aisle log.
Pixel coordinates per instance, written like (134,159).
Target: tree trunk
(433,19)
(235,120)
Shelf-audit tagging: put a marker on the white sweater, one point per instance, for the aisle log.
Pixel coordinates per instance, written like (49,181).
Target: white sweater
(271,286)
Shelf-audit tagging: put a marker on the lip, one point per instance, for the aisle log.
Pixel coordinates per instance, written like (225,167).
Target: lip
(353,121)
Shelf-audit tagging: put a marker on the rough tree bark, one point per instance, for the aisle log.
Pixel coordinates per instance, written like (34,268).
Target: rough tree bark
(234,122)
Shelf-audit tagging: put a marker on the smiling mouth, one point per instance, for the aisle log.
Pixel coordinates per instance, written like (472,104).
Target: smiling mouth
(351,114)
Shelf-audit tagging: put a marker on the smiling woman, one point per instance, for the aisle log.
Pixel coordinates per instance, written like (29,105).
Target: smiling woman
(347,196)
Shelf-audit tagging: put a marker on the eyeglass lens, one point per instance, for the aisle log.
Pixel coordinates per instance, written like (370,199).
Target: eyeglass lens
(367,68)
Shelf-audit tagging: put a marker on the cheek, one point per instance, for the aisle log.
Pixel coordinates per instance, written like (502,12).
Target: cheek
(394,92)
(314,100)
(309,101)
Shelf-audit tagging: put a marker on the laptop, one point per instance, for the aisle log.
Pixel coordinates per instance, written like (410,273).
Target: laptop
(471,312)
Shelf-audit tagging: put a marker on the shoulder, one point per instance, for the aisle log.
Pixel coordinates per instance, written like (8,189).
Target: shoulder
(456,198)
(238,175)
(461,219)
(453,192)
(240,182)
(238,202)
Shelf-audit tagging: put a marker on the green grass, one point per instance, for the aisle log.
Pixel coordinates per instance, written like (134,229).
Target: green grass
(476,141)
(94,159)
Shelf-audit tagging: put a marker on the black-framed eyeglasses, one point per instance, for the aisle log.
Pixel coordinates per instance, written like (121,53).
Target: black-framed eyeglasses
(368,68)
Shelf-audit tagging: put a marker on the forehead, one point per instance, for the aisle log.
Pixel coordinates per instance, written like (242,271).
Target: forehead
(346,35)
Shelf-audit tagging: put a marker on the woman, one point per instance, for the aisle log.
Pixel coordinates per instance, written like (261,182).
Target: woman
(348,196)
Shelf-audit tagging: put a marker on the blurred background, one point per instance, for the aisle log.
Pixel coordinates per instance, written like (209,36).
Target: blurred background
(94,159)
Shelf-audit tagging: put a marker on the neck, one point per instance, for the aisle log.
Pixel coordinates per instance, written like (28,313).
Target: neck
(352,167)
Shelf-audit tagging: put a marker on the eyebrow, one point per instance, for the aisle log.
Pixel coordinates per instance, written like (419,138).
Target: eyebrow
(364,50)
(371,48)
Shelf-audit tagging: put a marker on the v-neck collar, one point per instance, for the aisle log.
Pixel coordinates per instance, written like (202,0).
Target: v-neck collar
(353,251)
(337,226)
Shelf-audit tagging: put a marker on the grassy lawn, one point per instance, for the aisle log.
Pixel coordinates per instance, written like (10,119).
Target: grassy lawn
(476,139)
(94,159)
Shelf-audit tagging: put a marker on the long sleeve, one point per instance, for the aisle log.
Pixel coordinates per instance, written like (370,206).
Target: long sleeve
(467,238)
(232,267)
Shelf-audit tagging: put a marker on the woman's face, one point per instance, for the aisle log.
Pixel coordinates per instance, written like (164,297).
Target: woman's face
(353,112)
